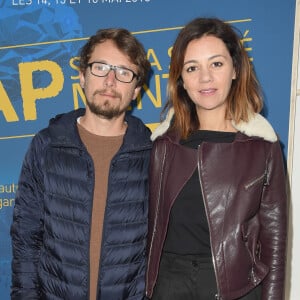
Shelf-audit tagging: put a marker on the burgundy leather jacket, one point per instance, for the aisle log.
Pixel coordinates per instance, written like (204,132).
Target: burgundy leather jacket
(244,191)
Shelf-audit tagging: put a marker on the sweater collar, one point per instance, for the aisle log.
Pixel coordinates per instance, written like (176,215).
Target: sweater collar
(257,126)
(63,131)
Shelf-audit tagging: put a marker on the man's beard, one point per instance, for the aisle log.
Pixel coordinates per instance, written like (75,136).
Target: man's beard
(105,110)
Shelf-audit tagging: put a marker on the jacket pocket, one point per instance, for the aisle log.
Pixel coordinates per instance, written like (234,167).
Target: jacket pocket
(250,232)
(260,180)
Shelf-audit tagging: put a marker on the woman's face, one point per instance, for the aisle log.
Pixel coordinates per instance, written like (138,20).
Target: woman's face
(208,73)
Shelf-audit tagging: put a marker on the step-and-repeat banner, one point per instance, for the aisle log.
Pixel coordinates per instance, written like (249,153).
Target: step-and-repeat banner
(39,45)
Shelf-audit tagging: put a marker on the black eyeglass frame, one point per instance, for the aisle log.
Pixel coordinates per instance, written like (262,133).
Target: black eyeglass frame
(112,68)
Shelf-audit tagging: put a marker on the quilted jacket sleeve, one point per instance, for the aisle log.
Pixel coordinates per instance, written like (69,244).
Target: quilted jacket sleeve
(27,227)
(273,218)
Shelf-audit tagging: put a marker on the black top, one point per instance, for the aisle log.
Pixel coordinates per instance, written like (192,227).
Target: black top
(188,231)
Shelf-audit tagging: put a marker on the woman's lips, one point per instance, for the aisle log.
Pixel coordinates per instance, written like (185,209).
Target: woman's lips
(209,91)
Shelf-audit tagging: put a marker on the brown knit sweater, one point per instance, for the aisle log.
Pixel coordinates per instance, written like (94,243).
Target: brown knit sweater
(102,149)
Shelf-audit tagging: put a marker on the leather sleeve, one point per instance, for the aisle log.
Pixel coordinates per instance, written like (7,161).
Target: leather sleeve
(273,219)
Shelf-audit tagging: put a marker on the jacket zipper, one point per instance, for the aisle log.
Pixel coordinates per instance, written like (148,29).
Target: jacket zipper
(156,212)
(89,269)
(263,177)
(217,296)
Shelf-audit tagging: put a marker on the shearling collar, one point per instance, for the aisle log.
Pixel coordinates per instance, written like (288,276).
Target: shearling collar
(257,126)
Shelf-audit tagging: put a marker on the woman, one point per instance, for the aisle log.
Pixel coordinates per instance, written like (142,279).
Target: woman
(218,209)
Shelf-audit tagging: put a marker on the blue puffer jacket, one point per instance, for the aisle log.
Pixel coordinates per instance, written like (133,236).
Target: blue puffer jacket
(51,222)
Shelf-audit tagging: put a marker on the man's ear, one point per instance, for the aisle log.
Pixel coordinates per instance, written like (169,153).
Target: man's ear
(136,92)
(81,79)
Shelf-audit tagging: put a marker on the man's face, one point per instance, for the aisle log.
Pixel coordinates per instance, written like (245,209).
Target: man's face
(106,96)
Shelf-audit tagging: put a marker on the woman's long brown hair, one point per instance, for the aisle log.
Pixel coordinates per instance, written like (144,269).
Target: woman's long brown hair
(244,97)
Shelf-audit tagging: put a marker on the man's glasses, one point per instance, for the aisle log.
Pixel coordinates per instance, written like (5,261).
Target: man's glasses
(122,74)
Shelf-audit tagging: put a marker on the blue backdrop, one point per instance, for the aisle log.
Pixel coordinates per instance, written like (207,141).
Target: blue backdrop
(39,44)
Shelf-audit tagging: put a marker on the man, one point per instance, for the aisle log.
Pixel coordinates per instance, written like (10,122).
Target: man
(80,218)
